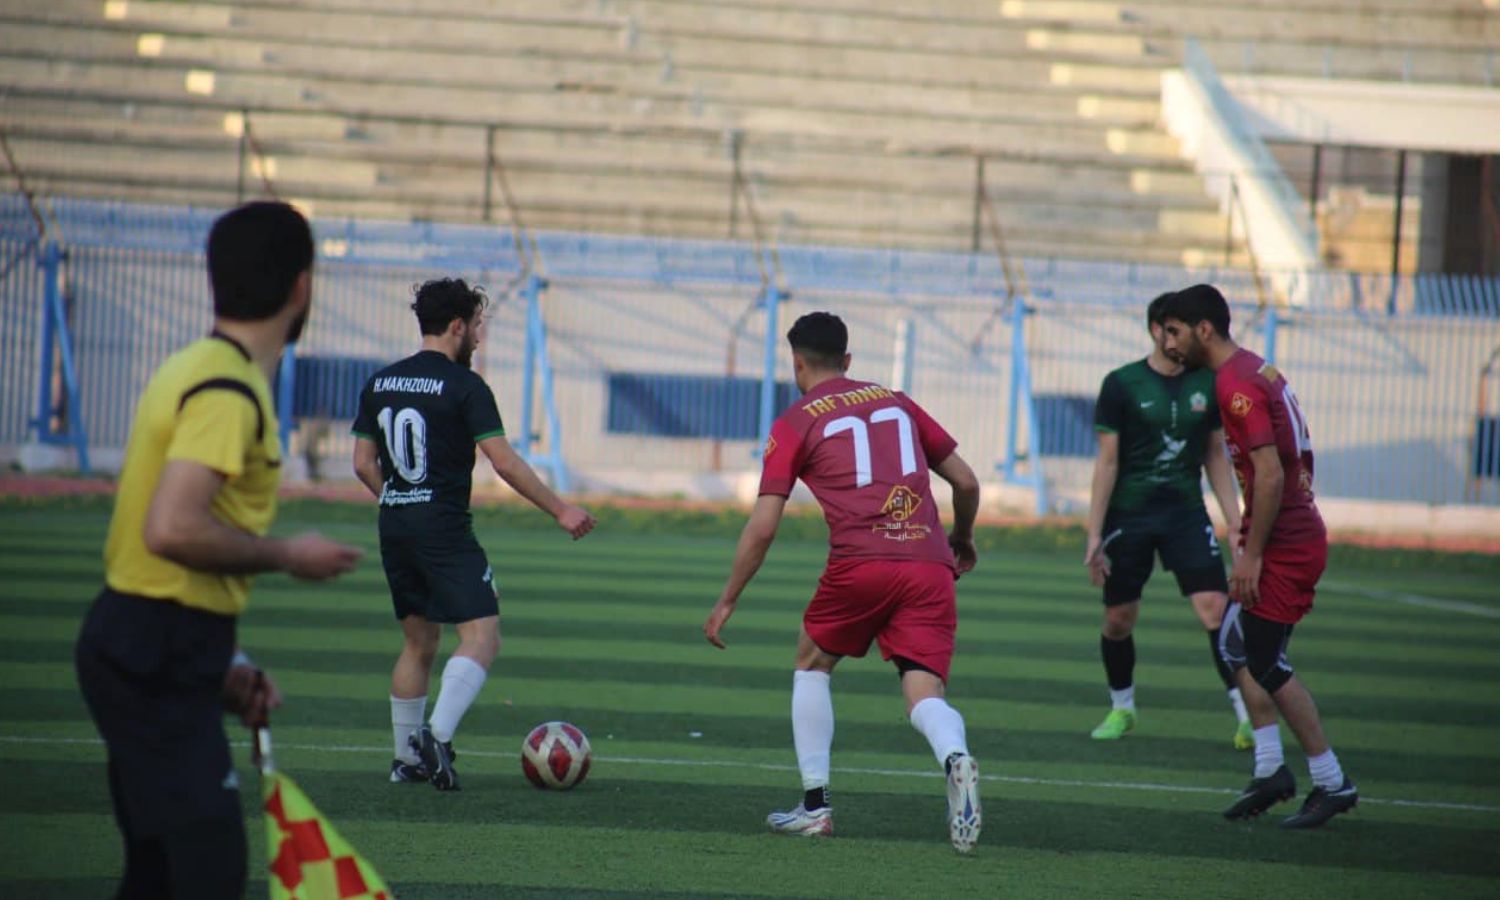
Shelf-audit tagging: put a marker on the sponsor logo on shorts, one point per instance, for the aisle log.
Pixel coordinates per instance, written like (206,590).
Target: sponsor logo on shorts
(1241,405)
(231,781)
(1198,402)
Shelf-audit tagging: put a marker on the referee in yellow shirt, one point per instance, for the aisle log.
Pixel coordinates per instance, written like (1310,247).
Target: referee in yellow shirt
(156,658)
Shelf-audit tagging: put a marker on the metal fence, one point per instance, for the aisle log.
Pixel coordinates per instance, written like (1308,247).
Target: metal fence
(656,350)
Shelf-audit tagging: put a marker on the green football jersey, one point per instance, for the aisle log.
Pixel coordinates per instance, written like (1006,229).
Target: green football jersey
(1163,423)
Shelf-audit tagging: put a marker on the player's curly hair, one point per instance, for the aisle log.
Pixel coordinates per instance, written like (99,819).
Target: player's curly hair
(441,300)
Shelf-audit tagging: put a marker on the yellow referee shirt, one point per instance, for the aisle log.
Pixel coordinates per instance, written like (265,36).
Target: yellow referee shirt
(210,404)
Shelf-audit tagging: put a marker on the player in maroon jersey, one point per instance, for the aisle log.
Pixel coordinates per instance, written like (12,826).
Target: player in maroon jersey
(866,452)
(1282,552)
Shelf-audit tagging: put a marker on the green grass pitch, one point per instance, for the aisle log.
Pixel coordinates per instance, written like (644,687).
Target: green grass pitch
(693,746)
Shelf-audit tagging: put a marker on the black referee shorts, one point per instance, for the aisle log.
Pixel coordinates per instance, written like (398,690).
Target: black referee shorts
(152,674)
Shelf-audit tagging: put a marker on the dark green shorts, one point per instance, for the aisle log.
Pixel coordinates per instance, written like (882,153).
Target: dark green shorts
(440,578)
(1182,537)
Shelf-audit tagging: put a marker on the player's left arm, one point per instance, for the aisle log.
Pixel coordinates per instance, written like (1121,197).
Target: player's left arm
(755,541)
(367,464)
(1221,479)
(1265,504)
(514,471)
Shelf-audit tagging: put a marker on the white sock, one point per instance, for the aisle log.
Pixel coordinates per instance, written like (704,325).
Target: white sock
(1325,770)
(1268,756)
(812,726)
(1238,702)
(1122,699)
(462,679)
(406,718)
(942,726)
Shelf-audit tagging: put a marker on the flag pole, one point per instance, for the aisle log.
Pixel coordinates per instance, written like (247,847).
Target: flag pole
(260,750)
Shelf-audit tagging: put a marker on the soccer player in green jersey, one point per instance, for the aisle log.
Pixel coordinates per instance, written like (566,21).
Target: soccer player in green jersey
(1159,429)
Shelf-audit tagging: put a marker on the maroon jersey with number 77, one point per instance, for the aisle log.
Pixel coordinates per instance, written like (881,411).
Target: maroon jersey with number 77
(866,453)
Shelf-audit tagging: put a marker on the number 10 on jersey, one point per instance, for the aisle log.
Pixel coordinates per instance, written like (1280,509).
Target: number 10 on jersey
(406,441)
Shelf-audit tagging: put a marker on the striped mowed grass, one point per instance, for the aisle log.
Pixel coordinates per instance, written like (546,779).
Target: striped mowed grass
(693,746)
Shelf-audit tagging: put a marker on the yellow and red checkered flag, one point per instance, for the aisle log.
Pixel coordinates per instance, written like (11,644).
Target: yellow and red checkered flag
(307,857)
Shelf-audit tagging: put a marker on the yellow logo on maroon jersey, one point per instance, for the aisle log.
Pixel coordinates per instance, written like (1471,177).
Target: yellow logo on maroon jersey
(770,447)
(902,503)
(1241,405)
(1269,372)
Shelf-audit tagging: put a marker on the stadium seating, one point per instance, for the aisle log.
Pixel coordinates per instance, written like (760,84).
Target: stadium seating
(856,122)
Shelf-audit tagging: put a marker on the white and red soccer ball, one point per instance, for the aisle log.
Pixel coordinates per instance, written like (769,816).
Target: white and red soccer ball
(556,755)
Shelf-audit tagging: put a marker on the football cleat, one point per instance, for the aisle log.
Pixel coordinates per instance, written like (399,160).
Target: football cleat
(437,758)
(1263,793)
(403,772)
(1116,725)
(963,802)
(819,822)
(1322,804)
(1244,736)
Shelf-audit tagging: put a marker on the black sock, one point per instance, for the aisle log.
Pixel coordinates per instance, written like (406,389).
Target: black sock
(815,799)
(1219,663)
(1119,661)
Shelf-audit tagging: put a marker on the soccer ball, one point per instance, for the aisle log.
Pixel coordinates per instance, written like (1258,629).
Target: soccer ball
(556,755)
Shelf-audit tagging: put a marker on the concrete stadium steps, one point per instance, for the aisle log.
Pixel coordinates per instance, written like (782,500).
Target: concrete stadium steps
(161,79)
(858,123)
(1014,98)
(1417,24)
(941,189)
(1412,25)
(1015,103)
(976,31)
(518,26)
(780,158)
(311,58)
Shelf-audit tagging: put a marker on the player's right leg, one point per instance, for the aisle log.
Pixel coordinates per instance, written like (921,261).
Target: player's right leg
(1287,583)
(1252,647)
(409,683)
(919,639)
(406,578)
(461,591)
(812,736)
(1131,557)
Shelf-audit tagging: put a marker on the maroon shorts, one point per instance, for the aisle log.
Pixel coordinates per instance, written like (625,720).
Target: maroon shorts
(1289,578)
(905,605)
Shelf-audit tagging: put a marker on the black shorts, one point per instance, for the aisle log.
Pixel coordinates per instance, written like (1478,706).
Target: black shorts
(1182,537)
(442,578)
(152,674)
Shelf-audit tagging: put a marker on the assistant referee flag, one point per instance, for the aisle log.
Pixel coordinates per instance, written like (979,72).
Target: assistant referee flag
(307,857)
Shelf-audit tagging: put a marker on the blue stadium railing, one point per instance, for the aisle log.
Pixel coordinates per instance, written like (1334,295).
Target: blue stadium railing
(1042,421)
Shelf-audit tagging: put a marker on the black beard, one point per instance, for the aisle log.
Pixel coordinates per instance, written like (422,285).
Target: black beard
(465,357)
(294,330)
